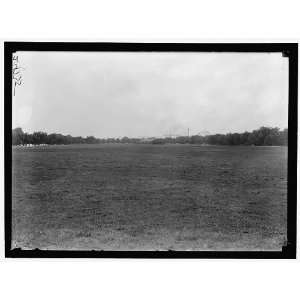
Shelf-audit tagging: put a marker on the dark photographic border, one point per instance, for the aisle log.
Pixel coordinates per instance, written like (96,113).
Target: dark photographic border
(289,50)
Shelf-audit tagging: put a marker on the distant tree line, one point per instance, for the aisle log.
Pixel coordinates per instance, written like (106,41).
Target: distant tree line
(39,137)
(264,136)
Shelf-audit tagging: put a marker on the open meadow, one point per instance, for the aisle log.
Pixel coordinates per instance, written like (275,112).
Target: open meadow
(149,197)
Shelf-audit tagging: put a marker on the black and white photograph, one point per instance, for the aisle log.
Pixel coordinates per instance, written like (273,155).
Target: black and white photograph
(120,150)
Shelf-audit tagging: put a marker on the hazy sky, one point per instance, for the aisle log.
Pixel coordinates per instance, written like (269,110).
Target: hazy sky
(111,94)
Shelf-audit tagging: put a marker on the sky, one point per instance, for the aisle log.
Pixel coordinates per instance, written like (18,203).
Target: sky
(150,94)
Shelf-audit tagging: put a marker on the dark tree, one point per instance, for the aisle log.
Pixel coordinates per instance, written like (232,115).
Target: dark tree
(17,136)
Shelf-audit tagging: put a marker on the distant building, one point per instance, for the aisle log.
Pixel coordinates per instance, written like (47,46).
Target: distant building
(203,133)
(172,136)
(147,139)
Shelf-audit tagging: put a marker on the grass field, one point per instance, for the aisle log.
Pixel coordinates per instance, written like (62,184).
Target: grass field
(149,197)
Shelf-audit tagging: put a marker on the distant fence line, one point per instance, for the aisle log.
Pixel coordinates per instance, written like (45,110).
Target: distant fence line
(264,136)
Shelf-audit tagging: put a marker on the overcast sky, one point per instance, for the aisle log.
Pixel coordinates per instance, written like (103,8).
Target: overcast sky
(111,94)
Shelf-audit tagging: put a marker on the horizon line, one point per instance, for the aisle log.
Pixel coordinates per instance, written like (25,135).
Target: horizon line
(163,136)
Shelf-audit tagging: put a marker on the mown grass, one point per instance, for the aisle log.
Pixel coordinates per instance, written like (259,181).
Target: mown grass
(149,197)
